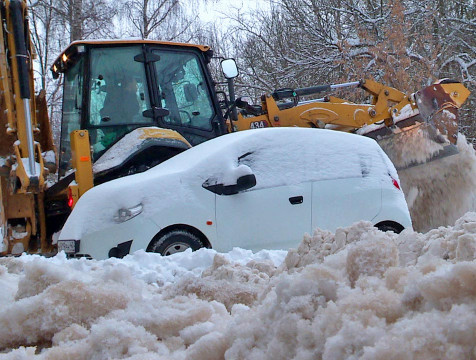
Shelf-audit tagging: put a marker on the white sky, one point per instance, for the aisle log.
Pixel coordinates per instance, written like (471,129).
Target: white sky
(214,10)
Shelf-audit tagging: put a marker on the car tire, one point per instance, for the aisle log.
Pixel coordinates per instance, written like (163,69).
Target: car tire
(386,227)
(175,241)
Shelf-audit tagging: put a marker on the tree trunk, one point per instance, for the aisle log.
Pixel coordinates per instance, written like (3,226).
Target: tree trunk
(76,20)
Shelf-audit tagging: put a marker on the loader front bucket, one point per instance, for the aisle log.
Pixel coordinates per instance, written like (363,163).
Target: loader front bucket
(438,105)
(428,134)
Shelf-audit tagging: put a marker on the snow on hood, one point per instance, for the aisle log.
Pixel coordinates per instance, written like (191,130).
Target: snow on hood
(358,293)
(123,149)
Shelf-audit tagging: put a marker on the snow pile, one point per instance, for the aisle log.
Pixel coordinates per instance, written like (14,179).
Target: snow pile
(441,191)
(370,295)
(358,293)
(412,146)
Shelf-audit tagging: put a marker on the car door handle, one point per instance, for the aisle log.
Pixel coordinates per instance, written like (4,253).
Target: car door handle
(295,200)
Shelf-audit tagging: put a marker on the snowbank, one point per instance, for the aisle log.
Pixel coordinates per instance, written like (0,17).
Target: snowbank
(441,191)
(358,294)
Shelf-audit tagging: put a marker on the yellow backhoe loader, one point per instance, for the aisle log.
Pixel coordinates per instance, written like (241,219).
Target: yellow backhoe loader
(131,104)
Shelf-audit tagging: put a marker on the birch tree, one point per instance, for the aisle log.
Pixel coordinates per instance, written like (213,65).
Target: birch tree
(160,19)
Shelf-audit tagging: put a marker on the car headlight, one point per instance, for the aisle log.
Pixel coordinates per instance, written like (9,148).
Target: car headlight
(125,214)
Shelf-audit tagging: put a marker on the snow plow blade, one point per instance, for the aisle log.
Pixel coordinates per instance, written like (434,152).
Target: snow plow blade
(430,131)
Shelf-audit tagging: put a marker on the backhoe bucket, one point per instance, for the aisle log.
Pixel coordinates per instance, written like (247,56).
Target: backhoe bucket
(428,134)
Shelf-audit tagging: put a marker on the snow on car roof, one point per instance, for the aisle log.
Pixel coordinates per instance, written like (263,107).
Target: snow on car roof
(339,141)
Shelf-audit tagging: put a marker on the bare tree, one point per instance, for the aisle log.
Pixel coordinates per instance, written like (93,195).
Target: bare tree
(55,23)
(404,43)
(85,18)
(164,19)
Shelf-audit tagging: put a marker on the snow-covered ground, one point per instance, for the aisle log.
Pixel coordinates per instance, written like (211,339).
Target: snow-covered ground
(359,293)
(355,294)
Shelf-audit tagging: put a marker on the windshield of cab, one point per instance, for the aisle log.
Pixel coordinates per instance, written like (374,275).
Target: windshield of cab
(118,95)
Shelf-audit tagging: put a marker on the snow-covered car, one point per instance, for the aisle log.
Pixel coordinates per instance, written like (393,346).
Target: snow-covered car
(256,189)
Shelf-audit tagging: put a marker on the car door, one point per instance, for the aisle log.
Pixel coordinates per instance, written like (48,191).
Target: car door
(351,193)
(342,202)
(274,214)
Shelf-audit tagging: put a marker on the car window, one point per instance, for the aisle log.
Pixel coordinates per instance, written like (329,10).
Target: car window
(288,162)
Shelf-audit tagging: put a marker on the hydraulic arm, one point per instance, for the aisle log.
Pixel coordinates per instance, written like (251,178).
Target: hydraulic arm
(389,112)
(24,135)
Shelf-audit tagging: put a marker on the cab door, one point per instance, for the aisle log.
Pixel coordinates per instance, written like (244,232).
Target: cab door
(185,91)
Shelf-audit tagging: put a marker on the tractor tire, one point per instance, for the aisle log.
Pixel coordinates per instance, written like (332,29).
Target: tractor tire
(175,241)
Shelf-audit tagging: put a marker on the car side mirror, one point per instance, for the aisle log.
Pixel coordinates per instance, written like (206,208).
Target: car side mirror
(229,68)
(243,180)
(243,183)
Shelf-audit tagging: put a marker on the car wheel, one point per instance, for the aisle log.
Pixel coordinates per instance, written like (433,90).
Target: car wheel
(176,241)
(386,227)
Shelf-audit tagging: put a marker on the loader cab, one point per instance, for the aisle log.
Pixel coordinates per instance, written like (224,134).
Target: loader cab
(114,87)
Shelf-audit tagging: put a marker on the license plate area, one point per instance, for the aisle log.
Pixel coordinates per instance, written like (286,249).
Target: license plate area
(68,246)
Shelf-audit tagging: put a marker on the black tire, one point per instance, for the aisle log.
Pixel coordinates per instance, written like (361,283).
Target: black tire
(175,241)
(386,228)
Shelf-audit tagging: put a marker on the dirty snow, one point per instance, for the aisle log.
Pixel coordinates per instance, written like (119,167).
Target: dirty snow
(355,294)
(412,146)
(49,156)
(441,191)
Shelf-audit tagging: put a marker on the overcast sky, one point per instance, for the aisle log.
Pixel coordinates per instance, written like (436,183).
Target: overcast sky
(213,10)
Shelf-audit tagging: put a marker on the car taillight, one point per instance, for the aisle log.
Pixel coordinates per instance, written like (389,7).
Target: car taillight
(70,198)
(395,183)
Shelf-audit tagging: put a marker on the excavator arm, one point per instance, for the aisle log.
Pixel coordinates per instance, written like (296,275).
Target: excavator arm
(389,112)
(25,135)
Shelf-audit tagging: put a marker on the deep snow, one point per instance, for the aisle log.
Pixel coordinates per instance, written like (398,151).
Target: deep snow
(358,293)
(355,294)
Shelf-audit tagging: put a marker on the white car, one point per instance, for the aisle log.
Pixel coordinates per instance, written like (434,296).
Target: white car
(256,189)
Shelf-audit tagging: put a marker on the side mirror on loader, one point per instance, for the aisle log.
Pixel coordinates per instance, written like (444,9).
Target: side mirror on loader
(229,68)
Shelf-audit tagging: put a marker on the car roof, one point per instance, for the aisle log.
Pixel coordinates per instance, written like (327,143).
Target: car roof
(189,158)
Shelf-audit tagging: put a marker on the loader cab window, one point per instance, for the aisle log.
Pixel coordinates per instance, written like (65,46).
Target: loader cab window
(72,101)
(118,95)
(183,90)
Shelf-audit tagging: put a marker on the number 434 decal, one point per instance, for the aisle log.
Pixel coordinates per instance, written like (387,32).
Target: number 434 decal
(258,124)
